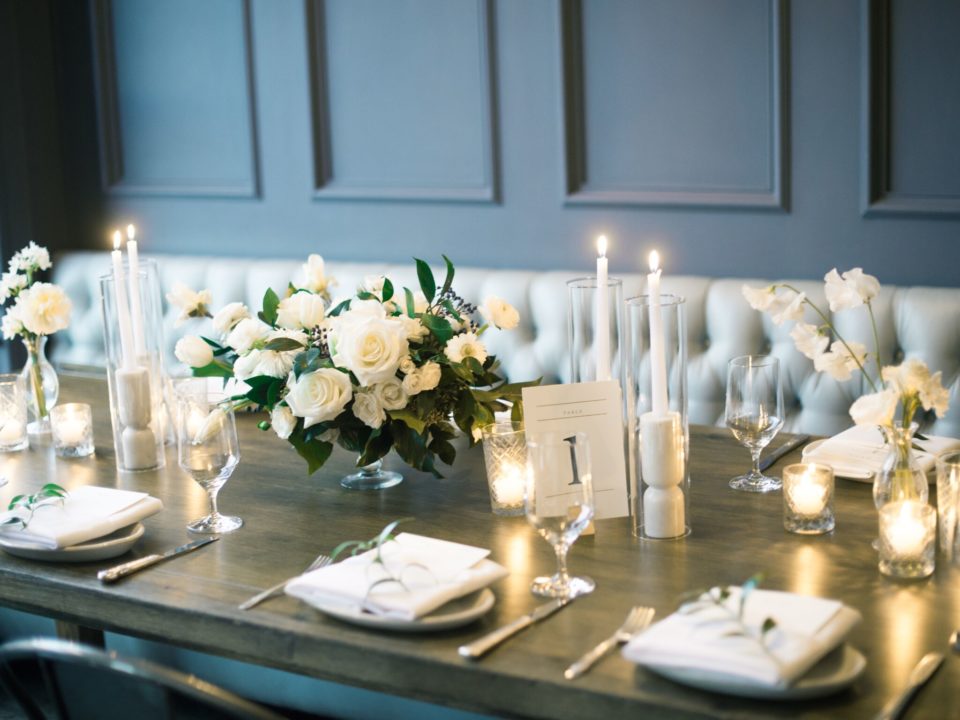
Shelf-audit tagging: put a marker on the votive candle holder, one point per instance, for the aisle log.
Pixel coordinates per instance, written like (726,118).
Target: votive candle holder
(13,413)
(808,490)
(908,534)
(505,457)
(72,428)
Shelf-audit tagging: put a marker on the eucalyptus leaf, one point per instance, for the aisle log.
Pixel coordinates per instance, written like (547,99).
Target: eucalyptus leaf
(427,284)
(283,344)
(411,303)
(448,281)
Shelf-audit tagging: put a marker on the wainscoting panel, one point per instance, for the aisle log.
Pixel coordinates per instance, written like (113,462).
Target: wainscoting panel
(675,103)
(403,99)
(175,97)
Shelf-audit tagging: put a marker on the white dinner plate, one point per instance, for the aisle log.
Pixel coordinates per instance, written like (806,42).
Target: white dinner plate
(850,473)
(832,674)
(109,546)
(455,613)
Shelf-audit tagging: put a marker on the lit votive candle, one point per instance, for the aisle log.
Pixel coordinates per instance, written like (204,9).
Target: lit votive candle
(808,499)
(508,488)
(907,539)
(505,455)
(72,428)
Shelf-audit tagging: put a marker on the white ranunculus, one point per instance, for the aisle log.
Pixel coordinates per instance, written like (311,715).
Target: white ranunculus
(759,298)
(10,284)
(934,396)
(193,351)
(391,394)
(413,384)
(370,347)
(283,421)
(414,329)
(274,364)
(876,408)
(840,294)
(463,346)
(245,366)
(319,396)
(301,310)
(228,316)
(866,286)
(408,365)
(808,339)
(246,333)
(43,308)
(11,325)
(314,275)
(429,376)
(30,258)
(189,302)
(908,377)
(787,305)
(501,313)
(368,410)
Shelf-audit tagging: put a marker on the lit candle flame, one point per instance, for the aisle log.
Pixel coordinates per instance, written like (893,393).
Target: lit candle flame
(117,239)
(654,261)
(131,232)
(602,246)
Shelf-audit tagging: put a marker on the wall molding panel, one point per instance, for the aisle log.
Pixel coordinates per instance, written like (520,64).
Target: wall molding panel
(330,182)
(242,182)
(580,190)
(878,196)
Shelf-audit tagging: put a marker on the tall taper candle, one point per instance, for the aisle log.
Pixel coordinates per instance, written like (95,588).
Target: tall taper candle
(136,313)
(658,362)
(128,359)
(602,331)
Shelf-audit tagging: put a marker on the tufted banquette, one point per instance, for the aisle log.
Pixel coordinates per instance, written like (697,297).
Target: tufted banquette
(911,322)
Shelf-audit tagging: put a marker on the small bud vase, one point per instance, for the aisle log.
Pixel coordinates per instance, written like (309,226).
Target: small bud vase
(43,386)
(900,477)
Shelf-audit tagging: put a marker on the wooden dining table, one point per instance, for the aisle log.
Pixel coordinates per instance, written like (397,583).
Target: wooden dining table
(290,517)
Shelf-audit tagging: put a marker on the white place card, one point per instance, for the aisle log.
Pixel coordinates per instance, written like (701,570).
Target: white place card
(594,408)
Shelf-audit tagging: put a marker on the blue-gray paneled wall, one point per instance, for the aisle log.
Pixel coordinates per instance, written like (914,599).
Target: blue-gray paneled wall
(741,137)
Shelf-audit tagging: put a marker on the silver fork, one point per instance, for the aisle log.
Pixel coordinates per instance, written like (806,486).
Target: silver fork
(318,562)
(637,619)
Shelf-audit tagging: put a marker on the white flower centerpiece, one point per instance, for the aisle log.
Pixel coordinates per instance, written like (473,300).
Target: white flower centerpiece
(39,309)
(898,392)
(382,370)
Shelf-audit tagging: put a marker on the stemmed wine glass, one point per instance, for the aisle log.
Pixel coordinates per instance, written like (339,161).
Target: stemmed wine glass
(207,448)
(754,413)
(558,501)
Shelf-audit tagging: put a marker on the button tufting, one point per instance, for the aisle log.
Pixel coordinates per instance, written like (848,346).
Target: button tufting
(898,356)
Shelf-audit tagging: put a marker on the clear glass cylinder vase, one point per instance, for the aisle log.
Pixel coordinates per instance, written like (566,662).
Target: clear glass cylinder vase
(136,379)
(657,396)
(900,477)
(43,386)
(595,354)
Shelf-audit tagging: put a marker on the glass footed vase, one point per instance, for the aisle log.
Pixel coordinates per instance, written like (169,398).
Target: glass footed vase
(900,477)
(43,386)
(372,477)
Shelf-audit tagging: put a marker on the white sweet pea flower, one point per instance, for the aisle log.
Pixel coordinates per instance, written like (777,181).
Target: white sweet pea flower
(246,333)
(759,298)
(193,351)
(390,394)
(11,324)
(908,377)
(301,310)
(43,308)
(876,408)
(368,410)
(808,340)
(934,396)
(866,286)
(463,346)
(501,313)
(787,305)
(370,347)
(429,376)
(314,276)
(850,291)
(839,363)
(10,284)
(283,421)
(30,258)
(319,396)
(190,303)
(228,316)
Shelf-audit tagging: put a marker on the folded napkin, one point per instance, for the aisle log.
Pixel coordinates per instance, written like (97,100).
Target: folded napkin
(86,513)
(861,450)
(711,639)
(433,573)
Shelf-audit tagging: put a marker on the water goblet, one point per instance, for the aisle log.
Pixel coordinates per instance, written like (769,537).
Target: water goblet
(754,413)
(207,450)
(558,502)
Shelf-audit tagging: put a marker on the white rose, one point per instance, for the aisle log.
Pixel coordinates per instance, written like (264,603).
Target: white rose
(10,284)
(808,340)
(415,330)
(787,305)
(908,377)
(301,310)
(866,286)
(370,347)
(840,294)
(319,396)
(368,410)
(246,333)
(413,384)
(407,365)
(429,376)
(193,351)
(190,303)
(283,420)
(759,298)
(500,313)
(11,326)
(391,395)
(32,257)
(934,396)
(876,408)
(463,346)
(245,367)
(43,308)
(314,275)
(228,316)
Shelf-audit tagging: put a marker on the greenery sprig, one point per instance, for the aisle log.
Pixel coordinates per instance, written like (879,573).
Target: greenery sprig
(49,494)
(716,597)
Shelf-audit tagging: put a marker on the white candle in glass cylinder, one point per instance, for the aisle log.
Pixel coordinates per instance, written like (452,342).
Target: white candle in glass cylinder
(71,431)
(907,535)
(127,348)
(136,312)
(807,496)
(602,333)
(658,360)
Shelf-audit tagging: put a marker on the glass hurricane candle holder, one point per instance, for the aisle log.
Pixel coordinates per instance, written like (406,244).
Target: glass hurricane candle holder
(505,456)
(907,539)
(13,412)
(72,427)
(808,499)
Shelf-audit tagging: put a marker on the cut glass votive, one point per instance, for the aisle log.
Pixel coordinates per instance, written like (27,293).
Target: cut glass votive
(72,428)
(908,531)
(505,456)
(13,413)
(808,499)
(948,503)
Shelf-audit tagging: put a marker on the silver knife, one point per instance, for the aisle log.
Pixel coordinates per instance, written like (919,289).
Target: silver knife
(789,445)
(128,568)
(479,648)
(918,676)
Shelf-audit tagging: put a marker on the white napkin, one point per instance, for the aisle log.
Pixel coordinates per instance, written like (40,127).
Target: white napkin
(433,571)
(807,629)
(860,451)
(86,513)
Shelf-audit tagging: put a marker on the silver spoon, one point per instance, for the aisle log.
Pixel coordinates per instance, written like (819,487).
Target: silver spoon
(955,641)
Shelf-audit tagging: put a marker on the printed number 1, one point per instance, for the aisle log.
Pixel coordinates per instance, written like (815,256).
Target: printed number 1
(572,442)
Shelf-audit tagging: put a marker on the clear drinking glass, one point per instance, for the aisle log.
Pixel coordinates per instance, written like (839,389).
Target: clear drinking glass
(207,449)
(754,413)
(558,501)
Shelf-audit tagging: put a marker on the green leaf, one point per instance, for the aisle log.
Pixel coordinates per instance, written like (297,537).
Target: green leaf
(516,412)
(444,450)
(427,283)
(411,304)
(217,368)
(409,445)
(438,326)
(410,419)
(387,289)
(448,282)
(283,344)
(377,446)
(315,452)
(768,625)
(345,305)
(364,295)
(270,304)
(449,307)
(475,367)
(306,362)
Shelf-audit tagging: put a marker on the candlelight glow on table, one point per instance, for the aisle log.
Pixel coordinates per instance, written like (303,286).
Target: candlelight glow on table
(808,499)
(907,539)
(505,457)
(72,428)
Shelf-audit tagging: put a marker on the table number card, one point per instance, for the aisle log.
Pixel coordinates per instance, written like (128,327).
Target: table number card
(593,408)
